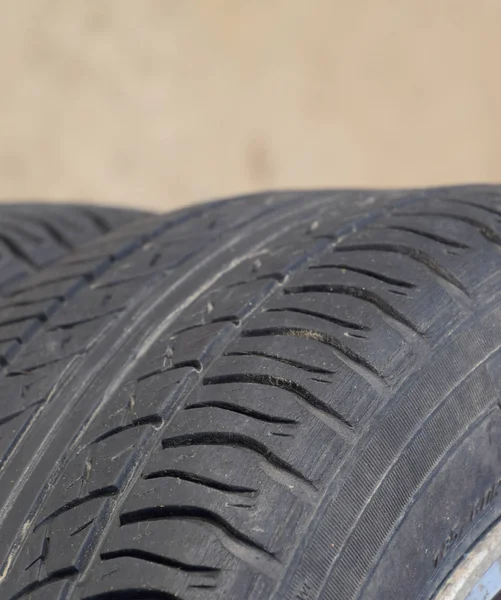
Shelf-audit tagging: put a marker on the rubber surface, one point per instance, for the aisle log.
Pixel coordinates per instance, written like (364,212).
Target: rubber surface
(32,236)
(289,396)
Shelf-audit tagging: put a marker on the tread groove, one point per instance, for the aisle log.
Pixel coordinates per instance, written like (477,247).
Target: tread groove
(155,420)
(235,440)
(201,480)
(134,594)
(14,321)
(225,319)
(65,573)
(430,236)
(53,233)
(82,528)
(32,302)
(281,383)
(418,255)
(323,338)
(76,323)
(18,251)
(369,273)
(355,292)
(23,232)
(286,361)
(482,228)
(81,277)
(104,492)
(322,316)
(101,224)
(157,559)
(488,209)
(39,366)
(12,416)
(194,364)
(248,412)
(155,513)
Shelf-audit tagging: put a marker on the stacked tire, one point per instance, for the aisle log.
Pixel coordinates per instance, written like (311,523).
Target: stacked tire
(281,396)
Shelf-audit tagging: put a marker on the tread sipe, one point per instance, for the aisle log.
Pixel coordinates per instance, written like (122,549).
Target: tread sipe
(32,236)
(286,396)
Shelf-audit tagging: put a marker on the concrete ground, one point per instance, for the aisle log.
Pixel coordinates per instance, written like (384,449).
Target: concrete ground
(159,103)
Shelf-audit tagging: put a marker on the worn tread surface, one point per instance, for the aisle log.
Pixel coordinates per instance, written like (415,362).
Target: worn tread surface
(189,405)
(32,236)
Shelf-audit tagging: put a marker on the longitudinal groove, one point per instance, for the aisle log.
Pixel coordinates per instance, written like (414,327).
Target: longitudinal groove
(221,486)
(236,440)
(369,273)
(158,559)
(355,292)
(285,384)
(155,420)
(104,492)
(413,253)
(482,228)
(430,236)
(175,512)
(248,412)
(286,361)
(322,316)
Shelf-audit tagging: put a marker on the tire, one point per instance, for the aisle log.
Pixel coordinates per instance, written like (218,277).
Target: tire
(288,396)
(32,236)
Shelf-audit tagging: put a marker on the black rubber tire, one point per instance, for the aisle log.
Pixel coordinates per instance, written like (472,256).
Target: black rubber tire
(32,236)
(288,396)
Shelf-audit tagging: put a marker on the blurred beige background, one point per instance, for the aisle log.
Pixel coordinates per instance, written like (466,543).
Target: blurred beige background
(158,103)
